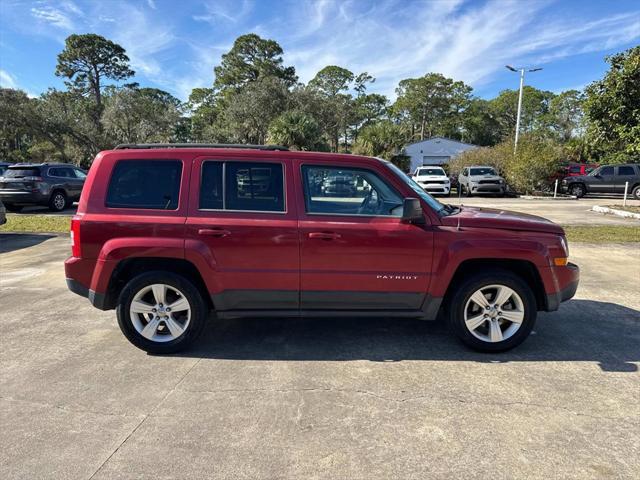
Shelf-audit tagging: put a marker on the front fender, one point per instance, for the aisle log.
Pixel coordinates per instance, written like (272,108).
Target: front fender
(452,248)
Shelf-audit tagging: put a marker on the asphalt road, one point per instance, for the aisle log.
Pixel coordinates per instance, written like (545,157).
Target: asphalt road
(564,212)
(316,398)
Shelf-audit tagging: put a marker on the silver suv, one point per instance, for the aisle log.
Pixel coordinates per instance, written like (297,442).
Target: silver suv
(479,179)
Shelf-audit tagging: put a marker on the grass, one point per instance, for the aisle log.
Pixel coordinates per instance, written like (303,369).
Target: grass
(37,224)
(585,234)
(603,233)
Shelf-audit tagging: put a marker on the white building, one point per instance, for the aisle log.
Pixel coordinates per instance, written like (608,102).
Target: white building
(434,151)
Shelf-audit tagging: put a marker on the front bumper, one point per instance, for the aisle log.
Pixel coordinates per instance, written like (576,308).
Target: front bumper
(568,278)
(436,188)
(487,188)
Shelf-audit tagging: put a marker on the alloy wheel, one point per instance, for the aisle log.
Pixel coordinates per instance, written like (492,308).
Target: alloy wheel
(59,201)
(494,313)
(160,312)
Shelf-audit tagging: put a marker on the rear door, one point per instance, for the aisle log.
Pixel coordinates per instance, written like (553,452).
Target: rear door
(355,253)
(625,174)
(243,217)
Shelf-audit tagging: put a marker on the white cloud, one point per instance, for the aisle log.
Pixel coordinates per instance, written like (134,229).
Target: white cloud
(223,12)
(152,4)
(53,16)
(7,80)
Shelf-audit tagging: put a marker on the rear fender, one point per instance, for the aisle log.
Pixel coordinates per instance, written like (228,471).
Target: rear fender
(118,249)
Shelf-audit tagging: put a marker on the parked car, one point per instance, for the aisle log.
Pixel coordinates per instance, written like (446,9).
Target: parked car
(163,237)
(478,179)
(56,185)
(433,179)
(3,214)
(3,167)
(605,179)
(340,183)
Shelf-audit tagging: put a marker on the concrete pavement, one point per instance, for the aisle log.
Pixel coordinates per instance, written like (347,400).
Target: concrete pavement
(316,398)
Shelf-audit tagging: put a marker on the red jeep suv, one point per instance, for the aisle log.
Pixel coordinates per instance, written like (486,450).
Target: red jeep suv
(166,234)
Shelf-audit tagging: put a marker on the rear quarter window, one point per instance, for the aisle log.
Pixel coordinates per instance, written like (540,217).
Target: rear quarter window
(22,172)
(148,184)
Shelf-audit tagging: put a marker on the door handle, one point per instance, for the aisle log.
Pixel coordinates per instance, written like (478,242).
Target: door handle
(214,232)
(324,235)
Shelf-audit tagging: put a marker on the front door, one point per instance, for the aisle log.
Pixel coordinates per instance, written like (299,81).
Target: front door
(243,217)
(605,181)
(355,252)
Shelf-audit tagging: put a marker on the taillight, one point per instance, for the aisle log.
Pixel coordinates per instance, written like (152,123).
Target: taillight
(75,237)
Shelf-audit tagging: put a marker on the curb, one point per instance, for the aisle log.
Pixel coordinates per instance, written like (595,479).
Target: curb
(540,197)
(614,211)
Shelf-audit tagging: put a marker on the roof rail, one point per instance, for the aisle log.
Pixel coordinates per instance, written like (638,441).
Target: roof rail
(142,146)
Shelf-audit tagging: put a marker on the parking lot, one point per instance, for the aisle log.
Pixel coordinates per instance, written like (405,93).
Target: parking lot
(320,398)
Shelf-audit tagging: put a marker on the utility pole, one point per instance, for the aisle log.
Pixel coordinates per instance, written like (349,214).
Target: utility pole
(521,70)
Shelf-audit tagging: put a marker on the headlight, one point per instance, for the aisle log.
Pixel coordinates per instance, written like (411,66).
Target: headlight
(501,181)
(447,181)
(564,245)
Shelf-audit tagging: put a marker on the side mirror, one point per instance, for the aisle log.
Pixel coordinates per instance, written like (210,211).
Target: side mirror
(412,211)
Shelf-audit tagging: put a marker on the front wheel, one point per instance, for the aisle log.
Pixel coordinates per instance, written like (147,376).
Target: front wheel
(161,312)
(493,311)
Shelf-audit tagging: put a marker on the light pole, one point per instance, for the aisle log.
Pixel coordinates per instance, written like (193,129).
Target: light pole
(521,70)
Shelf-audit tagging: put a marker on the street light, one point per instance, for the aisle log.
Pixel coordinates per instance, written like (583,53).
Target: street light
(521,70)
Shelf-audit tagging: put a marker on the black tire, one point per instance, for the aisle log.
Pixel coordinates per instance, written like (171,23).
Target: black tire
(578,190)
(636,192)
(13,208)
(58,201)
(197,322)
(473,283)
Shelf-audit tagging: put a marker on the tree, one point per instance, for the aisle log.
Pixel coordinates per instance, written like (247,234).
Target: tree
(336,107)
(534,115)
(566,115)
(247,113)
(612,108)
(383,139)
(141,115)
(479,125)
(204,108)
(431,103)
(87,61)
(251,58)
(297,130)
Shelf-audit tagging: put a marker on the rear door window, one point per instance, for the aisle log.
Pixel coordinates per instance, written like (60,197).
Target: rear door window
(626,171)
(22,172)
(254,186)
(242,186)
(149,184)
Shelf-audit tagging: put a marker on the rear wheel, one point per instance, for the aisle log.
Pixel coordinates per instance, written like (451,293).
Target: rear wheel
(636,192)
(58,201)
(493,311)
(13,208)
(161,312)
(577,190)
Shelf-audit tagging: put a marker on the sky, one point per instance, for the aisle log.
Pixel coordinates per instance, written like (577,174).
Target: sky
(174,45)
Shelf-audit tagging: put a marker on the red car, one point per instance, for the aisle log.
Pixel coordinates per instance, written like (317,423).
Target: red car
(166,234)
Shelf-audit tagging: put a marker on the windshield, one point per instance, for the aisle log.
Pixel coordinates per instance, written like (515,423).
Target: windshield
(431,171)
(22,172)
(432,202)
(476,172)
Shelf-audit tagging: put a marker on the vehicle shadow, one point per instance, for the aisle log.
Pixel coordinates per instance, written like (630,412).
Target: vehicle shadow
(10,242)
(582,330)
